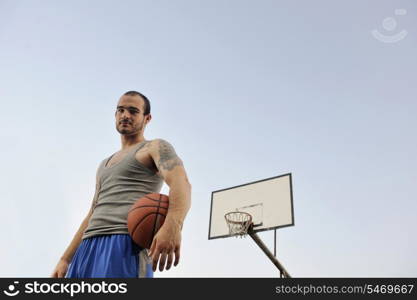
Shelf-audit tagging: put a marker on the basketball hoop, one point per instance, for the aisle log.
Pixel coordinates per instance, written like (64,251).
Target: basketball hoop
(238,222)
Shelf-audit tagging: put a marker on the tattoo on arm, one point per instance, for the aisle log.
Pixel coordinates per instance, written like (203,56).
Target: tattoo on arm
(168,159)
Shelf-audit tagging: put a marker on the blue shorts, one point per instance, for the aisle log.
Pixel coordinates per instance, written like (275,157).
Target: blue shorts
(109,256)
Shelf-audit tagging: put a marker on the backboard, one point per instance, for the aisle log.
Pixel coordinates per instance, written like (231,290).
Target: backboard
(269,201)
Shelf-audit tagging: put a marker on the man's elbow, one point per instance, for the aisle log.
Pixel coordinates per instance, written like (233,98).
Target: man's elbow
(186,185)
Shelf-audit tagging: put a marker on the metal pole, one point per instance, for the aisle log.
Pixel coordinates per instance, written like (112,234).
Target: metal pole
(275,249)
(268,253)
(275,243)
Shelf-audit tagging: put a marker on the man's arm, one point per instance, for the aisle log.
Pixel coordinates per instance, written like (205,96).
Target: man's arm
(62,266)
(167,241)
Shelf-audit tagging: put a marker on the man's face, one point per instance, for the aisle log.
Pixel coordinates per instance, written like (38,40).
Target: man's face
(129,115)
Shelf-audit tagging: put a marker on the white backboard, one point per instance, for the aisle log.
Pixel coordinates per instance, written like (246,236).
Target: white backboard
(269,201)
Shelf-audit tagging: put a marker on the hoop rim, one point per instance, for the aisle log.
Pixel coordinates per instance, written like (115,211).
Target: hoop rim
(238,212)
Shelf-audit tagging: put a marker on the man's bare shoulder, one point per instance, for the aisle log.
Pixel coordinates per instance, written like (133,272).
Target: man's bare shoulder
(157,147)
(158,144)
(162,151)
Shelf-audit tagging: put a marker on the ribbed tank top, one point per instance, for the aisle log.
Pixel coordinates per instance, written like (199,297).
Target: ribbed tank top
(120,186)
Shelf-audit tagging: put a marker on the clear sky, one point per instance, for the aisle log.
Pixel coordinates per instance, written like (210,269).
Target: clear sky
(244,90)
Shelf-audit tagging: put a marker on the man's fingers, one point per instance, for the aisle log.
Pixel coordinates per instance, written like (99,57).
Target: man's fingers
(169,261)
(155,259)
(177,256)
(162,261)
(55,274)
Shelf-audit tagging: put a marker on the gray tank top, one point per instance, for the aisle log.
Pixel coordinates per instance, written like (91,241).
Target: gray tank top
(120,185)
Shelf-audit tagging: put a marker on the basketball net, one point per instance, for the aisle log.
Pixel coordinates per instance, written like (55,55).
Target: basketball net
(238,222)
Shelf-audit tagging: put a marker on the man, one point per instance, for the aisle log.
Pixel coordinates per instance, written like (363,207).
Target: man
(102,246)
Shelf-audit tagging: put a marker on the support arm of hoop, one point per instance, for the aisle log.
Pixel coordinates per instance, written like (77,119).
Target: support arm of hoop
(268,253)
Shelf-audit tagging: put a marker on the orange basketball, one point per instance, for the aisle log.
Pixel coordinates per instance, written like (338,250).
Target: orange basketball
(145,217)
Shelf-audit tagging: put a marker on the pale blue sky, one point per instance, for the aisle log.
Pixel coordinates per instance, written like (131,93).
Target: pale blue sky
(244,90)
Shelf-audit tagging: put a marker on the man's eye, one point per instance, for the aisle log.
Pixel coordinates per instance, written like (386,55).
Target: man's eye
(133,111)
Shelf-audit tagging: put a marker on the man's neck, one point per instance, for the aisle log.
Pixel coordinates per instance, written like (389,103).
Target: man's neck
(128,141)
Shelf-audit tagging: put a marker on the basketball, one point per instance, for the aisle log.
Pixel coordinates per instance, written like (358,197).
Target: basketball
(145,217)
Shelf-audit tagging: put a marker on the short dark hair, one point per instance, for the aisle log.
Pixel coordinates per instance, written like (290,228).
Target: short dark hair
(145,99)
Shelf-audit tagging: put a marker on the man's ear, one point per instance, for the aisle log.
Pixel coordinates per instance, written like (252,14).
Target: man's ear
(148,118)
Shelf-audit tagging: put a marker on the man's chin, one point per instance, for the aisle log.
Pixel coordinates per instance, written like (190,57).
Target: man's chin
(126,132)
(123,131)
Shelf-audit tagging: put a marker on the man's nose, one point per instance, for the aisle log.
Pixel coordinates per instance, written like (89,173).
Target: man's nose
(125,115)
